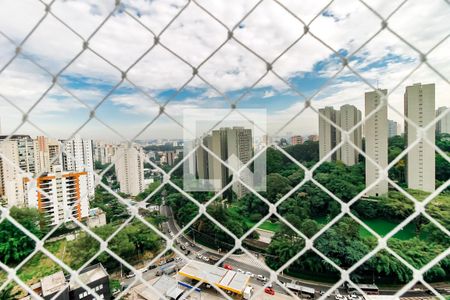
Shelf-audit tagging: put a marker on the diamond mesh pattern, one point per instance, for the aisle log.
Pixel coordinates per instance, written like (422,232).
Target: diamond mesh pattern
(196,69)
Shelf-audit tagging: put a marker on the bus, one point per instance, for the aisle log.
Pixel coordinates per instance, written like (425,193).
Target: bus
(369,289)
(303,291)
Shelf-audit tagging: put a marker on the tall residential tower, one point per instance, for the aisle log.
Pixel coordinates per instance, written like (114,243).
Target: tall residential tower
(376,134)
(420,108)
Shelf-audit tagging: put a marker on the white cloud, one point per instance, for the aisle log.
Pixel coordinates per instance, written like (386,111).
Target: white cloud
(194,35)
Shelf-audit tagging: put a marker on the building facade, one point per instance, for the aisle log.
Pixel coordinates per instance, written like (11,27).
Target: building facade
(78,156)
(347,118)
(327,132)
(296,140)
(129,165)
(233,146)
(376,137)
(393,128)
(53,194)
(443,125)
(419,105)
(329,136)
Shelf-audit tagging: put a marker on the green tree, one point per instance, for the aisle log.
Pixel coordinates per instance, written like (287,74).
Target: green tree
(14,244)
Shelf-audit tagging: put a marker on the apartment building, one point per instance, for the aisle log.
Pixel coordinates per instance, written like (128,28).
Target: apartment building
(329,136)
(58,195)
(18,162)
(104,152)
(231,145)
(78,156)
(347,118)
(376,135)
(129,165)
(419,106)
(327,132)
(393,128)
(443,125)
(296,140)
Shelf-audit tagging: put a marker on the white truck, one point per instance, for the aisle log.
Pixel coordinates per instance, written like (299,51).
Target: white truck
(248,291)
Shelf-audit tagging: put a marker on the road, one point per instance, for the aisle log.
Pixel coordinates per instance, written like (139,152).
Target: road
(171,226)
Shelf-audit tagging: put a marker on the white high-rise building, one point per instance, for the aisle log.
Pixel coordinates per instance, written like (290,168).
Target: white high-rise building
(419,107)
(347,118)
(376,147)
(327,132)
(129,165)
(59,194)
(443,125)
(393,129)
(79,157)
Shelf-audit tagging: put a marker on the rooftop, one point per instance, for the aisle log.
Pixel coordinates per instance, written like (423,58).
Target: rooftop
(89,275)
(226,279)
(53,283)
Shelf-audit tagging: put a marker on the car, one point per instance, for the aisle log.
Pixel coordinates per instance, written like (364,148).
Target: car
(250,274)
(240,271)
(261,278)
(198,255)
(269,291)
(205,258)
(131,275)
(187,244)
(178,258)
(228,267)
(183,247)
(340,297)
(143,270)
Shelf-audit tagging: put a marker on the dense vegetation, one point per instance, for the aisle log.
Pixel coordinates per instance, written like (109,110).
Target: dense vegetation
(308,208)
(14,244)
(130,243)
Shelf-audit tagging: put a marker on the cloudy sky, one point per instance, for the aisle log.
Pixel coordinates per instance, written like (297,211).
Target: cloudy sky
(155,73)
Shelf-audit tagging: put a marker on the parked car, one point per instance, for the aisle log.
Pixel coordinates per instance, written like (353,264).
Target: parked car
(228,267)
(131,275)
(240,271)
(205,258)
(269,291)
(250,274)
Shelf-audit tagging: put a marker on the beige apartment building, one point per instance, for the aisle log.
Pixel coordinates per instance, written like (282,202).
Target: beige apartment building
(327,132)
(347,118)
(129,165)
(329,136)
(443,125)
(231,145)
(376,137)
(419,106)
